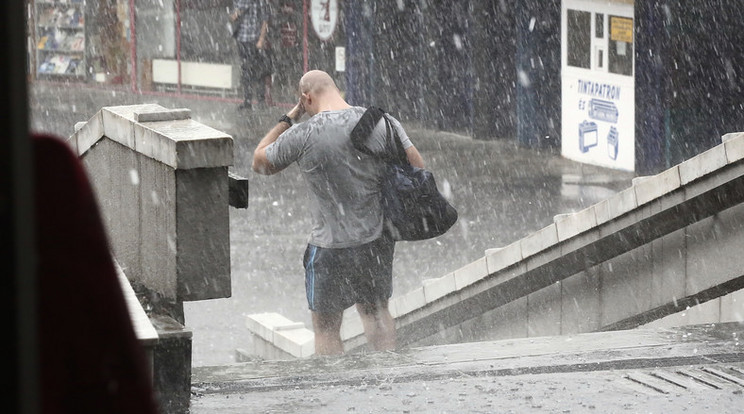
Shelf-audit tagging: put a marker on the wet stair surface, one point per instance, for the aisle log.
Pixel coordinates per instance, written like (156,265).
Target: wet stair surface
(643,370)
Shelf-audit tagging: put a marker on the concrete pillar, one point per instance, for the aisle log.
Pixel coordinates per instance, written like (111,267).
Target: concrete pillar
(650,88)
(359,53)
(162,183)
(538,71)
(494,99)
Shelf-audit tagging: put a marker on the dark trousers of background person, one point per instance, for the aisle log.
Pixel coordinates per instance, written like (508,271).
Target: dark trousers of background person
(253,68)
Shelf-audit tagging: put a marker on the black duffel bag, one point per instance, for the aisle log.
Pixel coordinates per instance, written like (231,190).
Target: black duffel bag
(412,205)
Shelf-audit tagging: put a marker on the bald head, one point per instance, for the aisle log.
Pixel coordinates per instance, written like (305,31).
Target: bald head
(317,82)
(320,93)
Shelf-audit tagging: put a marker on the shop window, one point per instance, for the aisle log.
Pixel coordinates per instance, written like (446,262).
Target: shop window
(620,56)
(579,32)
(599,26)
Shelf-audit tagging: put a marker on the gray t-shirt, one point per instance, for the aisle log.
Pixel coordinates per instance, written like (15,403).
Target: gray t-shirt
(343,183)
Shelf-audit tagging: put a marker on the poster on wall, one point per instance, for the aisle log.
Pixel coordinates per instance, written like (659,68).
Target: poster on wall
(324,17)
(599,121)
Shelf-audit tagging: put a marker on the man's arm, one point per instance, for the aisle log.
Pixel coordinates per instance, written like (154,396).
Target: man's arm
(414,157)
(238,9)
(412,154)
(262,36)
(264,12)
(261,164)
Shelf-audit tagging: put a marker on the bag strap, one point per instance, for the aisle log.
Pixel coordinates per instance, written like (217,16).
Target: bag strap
(364,128)
(400,152)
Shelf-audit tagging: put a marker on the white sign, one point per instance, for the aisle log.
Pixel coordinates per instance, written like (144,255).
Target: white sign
(599,121)
(324,16)
(598,87)
(340,58)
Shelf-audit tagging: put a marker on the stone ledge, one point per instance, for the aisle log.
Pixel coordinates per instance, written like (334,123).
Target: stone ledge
(351,326)
(621,203)
(734,144)
(143,326)
(167,135)
(264,324)
(169,328)
(238,190)
(471,273)
(503,257)
(702,164)
(408,302)
(539,241)
(570,225)
(439,288)
(299,342)
(656,186)
(602,211)
(284,334)
(87,134)
(155,115)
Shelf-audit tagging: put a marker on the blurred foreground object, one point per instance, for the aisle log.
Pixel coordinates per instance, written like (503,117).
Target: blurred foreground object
(91,361)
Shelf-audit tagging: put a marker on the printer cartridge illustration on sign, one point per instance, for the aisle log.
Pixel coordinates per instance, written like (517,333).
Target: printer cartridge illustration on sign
(587,135)
(604,112)
(600,115)
(612,143)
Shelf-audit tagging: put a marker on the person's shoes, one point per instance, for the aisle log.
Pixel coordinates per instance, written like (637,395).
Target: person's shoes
(245,106)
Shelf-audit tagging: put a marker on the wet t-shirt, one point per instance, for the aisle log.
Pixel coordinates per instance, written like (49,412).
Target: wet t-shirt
(343,183)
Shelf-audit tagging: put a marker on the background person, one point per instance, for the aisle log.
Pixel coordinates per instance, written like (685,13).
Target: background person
(349,258)
(250,24)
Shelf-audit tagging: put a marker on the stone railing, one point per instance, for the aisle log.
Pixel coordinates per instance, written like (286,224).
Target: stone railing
(667,244)
(164,191)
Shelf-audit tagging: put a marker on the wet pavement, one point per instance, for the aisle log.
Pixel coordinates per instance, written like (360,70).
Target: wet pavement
(691,369)
(502,192)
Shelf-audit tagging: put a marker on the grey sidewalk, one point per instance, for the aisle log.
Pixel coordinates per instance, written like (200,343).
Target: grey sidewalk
(691,369)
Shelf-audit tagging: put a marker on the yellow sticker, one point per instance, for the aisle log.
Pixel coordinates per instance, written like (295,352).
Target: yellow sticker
(621,29)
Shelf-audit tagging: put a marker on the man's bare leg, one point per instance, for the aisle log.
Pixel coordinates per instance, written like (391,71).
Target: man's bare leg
(327,328)
(379,326)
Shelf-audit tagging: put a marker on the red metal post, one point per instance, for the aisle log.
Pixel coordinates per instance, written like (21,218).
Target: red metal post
(178,42)
(133,44)
(304,36)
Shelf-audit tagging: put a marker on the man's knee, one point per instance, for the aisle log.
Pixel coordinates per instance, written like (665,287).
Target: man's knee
(372,308)
(327,321)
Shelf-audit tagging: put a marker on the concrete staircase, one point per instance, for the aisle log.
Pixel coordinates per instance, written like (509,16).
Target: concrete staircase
(669,243)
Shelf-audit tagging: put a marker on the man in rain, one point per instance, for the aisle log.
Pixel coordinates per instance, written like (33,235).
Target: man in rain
(349,257)
(250,24)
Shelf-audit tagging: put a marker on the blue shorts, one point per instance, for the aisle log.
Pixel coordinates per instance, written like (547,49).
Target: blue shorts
(336,279)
